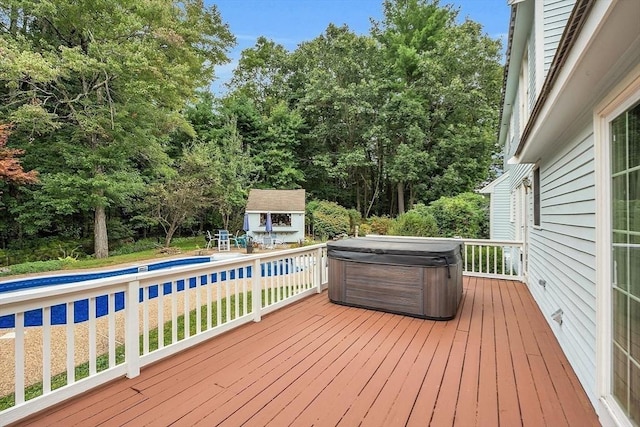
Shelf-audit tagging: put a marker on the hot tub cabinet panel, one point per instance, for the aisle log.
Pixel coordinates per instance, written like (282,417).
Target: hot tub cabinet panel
(406,277)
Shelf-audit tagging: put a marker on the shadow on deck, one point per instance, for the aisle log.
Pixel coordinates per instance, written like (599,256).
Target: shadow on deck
(317,363)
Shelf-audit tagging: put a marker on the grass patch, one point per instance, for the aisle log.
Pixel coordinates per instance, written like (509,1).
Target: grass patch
(184,244)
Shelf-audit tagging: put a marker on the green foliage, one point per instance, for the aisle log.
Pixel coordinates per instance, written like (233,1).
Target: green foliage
(364,229)
(416,222)
(115,123)
(43,250)
(135,246)
(465,215)
(329,219)
(380,224)
(355,219)
(487,259)
(106,82)
(33,267)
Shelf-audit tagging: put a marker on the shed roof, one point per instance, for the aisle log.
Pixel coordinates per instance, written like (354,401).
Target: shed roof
(276,201)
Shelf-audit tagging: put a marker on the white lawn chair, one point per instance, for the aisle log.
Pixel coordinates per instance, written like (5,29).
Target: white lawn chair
(210,240)
(267,242)
(224,243)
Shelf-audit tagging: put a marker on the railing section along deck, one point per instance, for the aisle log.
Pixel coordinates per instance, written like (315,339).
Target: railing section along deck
(67,339)
(498,259)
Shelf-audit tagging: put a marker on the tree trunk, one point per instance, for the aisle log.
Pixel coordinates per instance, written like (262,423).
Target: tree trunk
(100,240)
(400,198)
(13,20)
(170,233)
(412,196)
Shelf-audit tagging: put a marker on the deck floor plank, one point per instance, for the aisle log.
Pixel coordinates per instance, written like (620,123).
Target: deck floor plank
(530,409)
(508,407)
(365,366)
(560,373)
(488,388)
(466,405)
(312,379)
(401,338)
(250,382)
(318,363)
(328,382)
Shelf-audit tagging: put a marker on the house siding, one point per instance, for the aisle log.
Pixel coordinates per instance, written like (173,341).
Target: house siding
(500,211)
(500,200)
(555,15)
(562,253)
(532,73)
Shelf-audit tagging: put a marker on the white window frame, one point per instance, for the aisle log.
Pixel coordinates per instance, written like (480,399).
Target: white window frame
(623,97)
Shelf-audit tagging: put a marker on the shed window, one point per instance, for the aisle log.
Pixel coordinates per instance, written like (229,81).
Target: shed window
(277,220)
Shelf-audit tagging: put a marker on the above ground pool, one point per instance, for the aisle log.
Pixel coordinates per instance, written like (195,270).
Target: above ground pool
(81,307)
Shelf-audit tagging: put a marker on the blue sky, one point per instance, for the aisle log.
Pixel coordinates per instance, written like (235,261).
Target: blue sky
(290,22)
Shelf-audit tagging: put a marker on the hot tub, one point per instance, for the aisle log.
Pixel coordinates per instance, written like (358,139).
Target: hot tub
(420,278)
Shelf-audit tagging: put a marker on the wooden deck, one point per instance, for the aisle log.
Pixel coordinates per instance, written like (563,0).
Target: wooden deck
(317,363)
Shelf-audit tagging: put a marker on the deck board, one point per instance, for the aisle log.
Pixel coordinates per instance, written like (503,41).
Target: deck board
(318,363)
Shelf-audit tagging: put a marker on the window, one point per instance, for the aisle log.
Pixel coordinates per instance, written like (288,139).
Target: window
(536,196)
(277,220)
(625,258)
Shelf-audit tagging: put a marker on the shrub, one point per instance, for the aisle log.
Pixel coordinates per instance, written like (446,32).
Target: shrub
(354,220)
(43,249)
(364,229)
(380,224)
(414,223)
(464,215)
(329,219)
(137,246)
(487,259)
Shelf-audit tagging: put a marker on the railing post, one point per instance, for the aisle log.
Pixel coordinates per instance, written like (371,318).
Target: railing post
(256,291)
(132,330)
(318,271)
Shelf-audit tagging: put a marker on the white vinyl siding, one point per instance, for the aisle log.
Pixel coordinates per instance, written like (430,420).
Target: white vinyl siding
(555,16)
(562,253)
(532,92)
(517,173)
(500,207)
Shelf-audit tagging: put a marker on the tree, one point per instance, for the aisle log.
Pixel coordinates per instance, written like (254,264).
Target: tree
(262,74)
(175,201)
(10,168)
(104,83)
(441,106)
(219,152)
(335,79)
(275,154)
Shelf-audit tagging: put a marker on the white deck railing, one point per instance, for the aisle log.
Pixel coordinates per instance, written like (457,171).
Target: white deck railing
(483,258)
(92,332)
(89,333)
(499,259)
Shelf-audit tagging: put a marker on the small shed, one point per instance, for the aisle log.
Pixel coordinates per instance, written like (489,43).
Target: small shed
(287,209)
